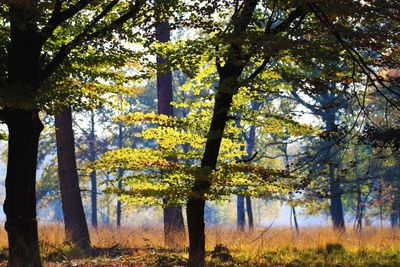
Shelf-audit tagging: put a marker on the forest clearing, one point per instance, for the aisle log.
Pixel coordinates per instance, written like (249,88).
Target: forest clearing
(277,246)
(200,133)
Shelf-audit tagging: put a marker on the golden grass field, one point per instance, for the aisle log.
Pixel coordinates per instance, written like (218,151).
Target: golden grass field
(277,246)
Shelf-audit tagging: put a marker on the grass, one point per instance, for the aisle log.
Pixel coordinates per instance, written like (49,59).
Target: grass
(279,246)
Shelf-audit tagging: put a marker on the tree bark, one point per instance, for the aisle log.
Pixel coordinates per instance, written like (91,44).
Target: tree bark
(394,216)
(250,150)
(296,225)
(227,87)
(76,230)
(241,219)
(174,228)
(196,203)
(249,210)
(120,174)
(93,177)
(336,206)
(119,204)
(24,129)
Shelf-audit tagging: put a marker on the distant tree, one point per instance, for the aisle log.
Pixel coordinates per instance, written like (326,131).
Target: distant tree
(76,230)
(174,228)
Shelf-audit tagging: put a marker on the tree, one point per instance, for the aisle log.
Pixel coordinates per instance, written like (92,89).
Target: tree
(27,70)
(92,158)
(174,228)
(236,59)
(76,230)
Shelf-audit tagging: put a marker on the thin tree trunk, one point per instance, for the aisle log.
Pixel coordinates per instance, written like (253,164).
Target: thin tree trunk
(93,177)
(241,219)
(249,210)
(174,228)
(120,174)
(250,150)
(76,230)
(24,129)
(296,225)
(394,216)
(359,213)
(119,204)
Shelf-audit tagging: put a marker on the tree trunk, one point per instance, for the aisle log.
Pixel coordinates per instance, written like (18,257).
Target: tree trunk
(76,230)
(296,225)
(227,87)
(196,203)
(394,216)
(24,129)
(249,210)
(250,150)
(119,204)
(120,174)
(241,219)
(336,206)
(174,228)
(93,178)
(196,225)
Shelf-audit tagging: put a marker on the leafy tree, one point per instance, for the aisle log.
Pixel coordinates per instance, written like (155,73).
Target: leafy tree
(54,31)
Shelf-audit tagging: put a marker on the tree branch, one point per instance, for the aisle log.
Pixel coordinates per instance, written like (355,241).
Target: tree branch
(87,36)
(59,17)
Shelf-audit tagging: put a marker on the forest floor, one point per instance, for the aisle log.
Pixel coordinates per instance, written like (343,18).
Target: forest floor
(275,246)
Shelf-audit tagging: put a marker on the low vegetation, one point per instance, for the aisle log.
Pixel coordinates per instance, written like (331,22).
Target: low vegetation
(277,246)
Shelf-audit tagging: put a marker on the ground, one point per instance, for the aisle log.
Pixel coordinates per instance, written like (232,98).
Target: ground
(138,246)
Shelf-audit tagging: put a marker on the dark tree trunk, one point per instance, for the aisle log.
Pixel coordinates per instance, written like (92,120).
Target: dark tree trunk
(174,228)
(394,216)
(120,174)
(336,206)
(119,204)
(93,178)
(249,210)
(196,225)
(241,219)
(359,208)
(250,150)
(227,87)
(195,206)
(24,129)
(76,230)
(296,225)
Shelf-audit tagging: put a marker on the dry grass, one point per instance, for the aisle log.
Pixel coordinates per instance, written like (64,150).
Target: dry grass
(259,247)
(260,238)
